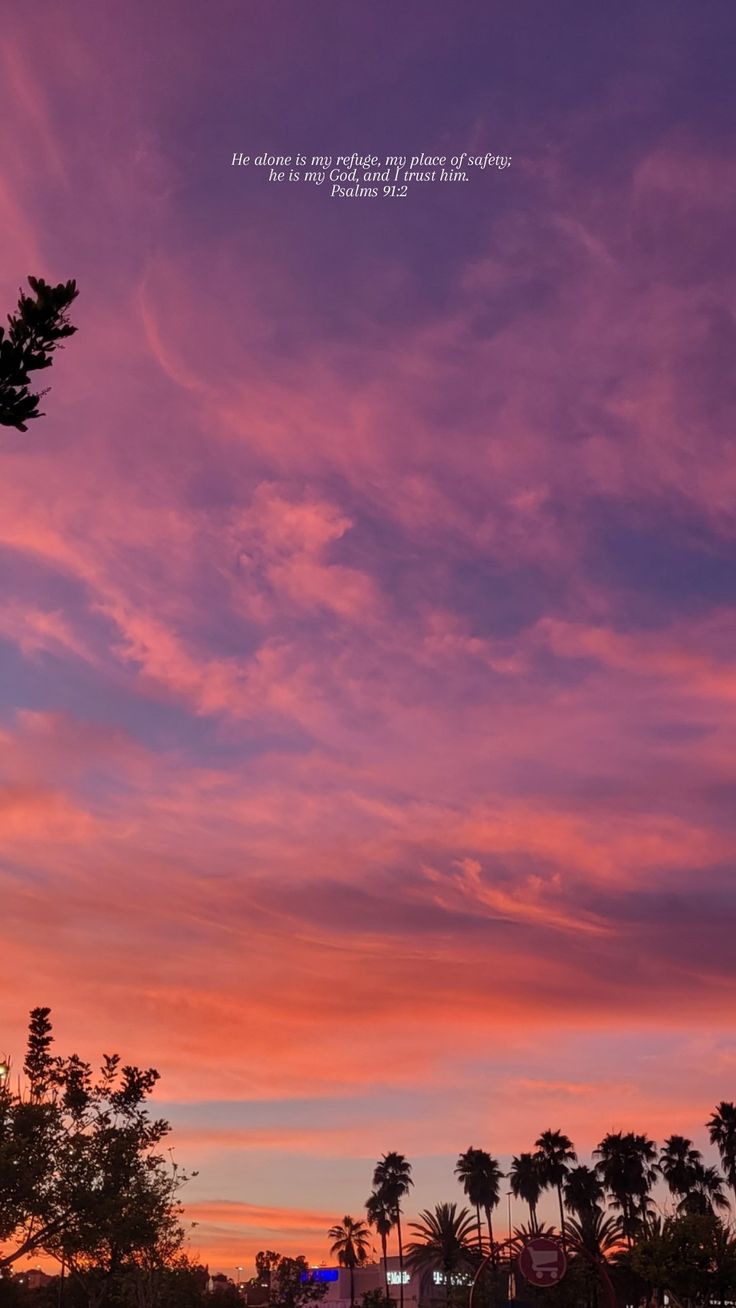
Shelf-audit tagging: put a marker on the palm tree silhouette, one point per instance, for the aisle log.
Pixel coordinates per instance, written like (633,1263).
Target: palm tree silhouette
(679,1162)
(481,1179)
(599,1234)
(442,1243)
(583,1192)
(554,1153)
(380,1217)
(527,1231)
(722,1132)
(526,1183)
(706,1193)
(627,1167)
(351,1244)
(392,1180)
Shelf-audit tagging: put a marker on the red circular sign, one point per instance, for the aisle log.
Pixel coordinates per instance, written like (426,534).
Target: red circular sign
(543,1261)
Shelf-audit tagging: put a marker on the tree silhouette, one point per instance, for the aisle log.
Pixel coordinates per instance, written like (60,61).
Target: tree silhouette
(706,1194)
(293,1284)
(481,1177)
(380,1216)
(442,1243)
(678,1163)
(583,1191)
(526,1183)
(722,1132)
(350,1243)
(627,1167)
(698,1189)
(554,1153)
(27,345)
(81,1173)
(392,1180)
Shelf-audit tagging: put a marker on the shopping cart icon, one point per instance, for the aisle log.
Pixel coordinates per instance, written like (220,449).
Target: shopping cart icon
(542,1261)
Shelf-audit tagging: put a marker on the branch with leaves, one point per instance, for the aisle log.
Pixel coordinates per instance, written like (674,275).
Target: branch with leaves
(34,333)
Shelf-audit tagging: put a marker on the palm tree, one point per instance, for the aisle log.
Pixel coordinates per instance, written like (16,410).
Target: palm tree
(723,1260)
(554,1153)
(583,1192)
(381,1218)
(722,1132)
(598,1238)
(678,1163)
(627,1167)
(351,1244)
(392,1180)
(442,1243)
(706,1193)
(526,1184)
(598,1234)
(481,1177)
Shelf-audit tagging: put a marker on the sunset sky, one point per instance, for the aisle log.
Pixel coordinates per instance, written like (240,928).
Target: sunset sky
(368,618)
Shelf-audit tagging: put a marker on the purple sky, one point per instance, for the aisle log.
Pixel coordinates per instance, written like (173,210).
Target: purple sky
(367,623)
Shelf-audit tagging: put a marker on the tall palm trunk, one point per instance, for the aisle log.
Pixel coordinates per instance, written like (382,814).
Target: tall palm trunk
(352,1286)
(562,1215)
(384,1250)
(491,1242)
(627,1209)
(533,1217)
(480,1233)
(401,1256)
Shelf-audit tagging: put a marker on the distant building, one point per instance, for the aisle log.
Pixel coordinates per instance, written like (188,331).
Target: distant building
(418,1289)
(34,1279)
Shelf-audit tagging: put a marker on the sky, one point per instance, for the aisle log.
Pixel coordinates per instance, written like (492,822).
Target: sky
(368,621)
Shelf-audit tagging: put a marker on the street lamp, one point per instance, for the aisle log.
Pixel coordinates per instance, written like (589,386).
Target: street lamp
(238,1270)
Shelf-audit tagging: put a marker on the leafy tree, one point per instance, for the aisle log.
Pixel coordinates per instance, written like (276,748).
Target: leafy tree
(28,344)
(118,1193)
(481,1178)
(81,1175)
(266,1261)
(722,1132)
(351,1244)
(380,1217)
(179,1284)
(34,1127)
(443,1243)
(293,1285)
(526,1183)
(554,1154)
(691,1257)
(375,1299)
(392,1181)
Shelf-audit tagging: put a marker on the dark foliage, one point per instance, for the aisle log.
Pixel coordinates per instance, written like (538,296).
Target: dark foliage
(35,331)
